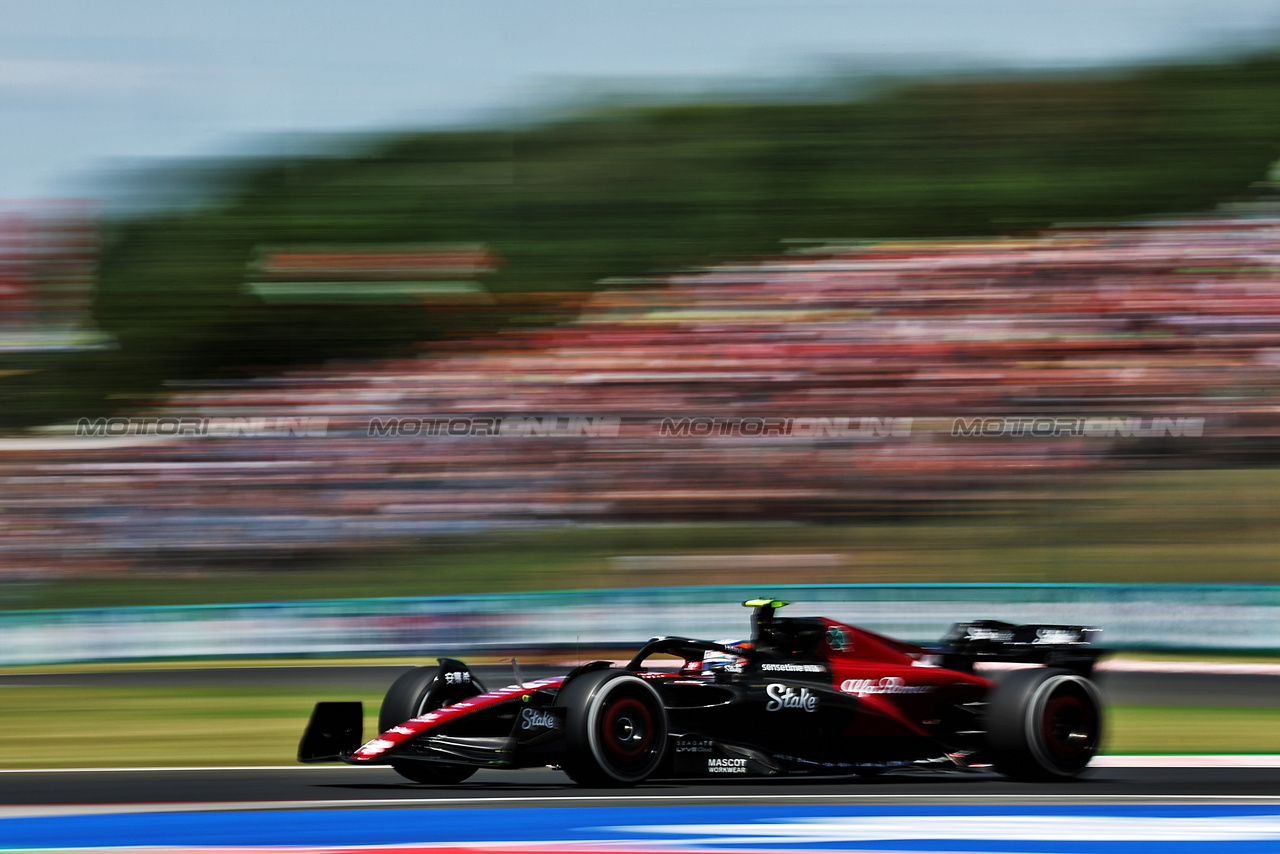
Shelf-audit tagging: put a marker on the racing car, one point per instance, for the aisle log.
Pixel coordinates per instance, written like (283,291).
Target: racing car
(804,696)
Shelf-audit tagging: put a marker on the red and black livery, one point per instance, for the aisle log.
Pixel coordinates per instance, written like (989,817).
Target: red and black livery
(805,696)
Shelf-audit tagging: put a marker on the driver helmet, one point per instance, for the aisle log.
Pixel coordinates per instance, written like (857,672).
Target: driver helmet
(714,659)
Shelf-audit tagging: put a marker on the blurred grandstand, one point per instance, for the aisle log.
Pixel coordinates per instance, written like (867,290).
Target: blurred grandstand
(1174,322)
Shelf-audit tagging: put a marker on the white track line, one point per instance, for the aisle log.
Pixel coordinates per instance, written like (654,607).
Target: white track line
(1219,761)
(1123,665)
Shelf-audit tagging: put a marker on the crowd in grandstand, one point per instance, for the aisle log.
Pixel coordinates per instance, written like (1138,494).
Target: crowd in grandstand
(813,385)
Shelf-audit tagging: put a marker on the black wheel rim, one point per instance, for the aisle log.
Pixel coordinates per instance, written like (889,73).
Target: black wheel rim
(626,733)
(1069,727)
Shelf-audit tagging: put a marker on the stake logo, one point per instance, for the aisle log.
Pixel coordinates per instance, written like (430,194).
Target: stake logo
(786,697)
(535,719)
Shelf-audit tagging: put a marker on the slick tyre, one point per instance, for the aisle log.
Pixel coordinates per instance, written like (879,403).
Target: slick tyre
(615,729)
(1043,724)
(416,693)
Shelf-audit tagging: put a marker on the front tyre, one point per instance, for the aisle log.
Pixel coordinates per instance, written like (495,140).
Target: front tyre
(415,693)
(615,728)
(1043,724)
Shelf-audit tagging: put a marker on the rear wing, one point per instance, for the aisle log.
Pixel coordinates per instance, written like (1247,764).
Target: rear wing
(1069,647)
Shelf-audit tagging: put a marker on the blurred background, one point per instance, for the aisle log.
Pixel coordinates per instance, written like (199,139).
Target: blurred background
(302,304)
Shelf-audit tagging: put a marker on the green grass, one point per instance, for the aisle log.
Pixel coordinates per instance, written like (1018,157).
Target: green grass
(82,727)
(76,727)
(1176,730)
(1220,526)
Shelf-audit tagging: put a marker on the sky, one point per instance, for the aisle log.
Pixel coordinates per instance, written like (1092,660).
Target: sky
(90,86)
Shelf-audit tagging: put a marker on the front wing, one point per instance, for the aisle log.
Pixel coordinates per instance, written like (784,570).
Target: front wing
(334,732)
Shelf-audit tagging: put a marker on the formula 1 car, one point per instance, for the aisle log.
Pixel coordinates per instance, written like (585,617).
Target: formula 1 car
(804,696)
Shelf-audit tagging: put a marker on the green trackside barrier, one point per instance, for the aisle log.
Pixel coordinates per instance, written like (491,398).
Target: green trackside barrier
(1164,617)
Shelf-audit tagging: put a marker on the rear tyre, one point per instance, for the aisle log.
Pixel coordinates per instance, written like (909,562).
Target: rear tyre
(1043,724)
(418,692)
(615,728)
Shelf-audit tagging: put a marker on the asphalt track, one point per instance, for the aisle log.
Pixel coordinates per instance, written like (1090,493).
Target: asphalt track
(1114,781)
(90,791)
